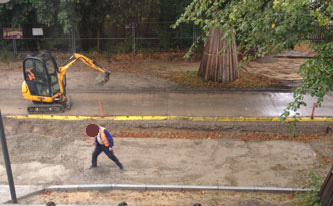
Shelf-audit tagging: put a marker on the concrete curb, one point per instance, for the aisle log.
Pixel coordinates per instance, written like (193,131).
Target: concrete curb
(169,118)
(105,187)
(170,187)
(22,191)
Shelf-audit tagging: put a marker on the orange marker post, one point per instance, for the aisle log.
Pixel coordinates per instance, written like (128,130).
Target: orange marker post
(100,108)
(313,110)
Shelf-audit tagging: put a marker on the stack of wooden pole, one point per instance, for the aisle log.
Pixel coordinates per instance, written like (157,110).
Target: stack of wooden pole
(220,61)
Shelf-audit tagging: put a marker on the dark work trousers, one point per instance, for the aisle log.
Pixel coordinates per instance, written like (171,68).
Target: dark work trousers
(101,148)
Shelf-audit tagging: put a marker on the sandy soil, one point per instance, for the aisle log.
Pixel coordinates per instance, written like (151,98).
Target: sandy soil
(43,154)
(282,69)
(150,73)
(156,198)
(57,152)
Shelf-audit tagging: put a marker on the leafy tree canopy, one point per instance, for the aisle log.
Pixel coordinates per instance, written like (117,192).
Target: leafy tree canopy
(269,27)
(71,12)
(87,17)
(14,13)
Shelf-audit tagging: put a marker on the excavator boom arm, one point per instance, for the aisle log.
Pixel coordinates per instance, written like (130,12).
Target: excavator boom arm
(85,60)
(99,81)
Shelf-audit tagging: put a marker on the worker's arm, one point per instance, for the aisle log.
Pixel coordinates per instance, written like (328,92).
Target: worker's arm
(109,139)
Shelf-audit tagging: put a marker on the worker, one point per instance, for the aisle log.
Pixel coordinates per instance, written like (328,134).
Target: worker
(103,143)
(31,75)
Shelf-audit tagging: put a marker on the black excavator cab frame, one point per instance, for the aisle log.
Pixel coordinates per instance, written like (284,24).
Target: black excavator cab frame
(40,72)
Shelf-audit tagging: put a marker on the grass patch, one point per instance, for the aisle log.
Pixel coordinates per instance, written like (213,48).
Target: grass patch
(246,80)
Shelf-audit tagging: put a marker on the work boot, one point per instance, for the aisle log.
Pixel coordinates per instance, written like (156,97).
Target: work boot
(92,167)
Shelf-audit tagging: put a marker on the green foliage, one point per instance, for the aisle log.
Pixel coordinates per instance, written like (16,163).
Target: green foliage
(16,13)
(269,27)
(66,16)
(4,50)
(4,53)
(214,201)
(311,198)
(71,13)
(317,74)
(169,12)
(45,11)
(293,127)
(108,55)
(125,46)
(33,12)
(87,19)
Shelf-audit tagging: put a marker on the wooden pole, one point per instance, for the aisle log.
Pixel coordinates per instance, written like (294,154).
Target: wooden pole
(220,61)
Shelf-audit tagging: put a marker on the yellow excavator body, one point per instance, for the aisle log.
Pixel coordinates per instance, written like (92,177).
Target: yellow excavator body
(45,83)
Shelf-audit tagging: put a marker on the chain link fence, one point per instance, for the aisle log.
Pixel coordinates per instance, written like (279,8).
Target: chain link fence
(113,39)
(129,38)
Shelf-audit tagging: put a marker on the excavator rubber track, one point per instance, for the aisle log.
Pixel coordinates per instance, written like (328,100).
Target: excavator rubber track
(42,108)
(45,109)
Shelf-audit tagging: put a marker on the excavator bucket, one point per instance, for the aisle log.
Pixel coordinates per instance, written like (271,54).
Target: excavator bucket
(102,78)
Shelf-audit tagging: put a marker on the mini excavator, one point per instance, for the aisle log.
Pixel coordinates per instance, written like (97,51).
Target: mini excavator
(45,83)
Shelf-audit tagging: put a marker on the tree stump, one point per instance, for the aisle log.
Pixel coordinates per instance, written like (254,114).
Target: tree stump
(220,61)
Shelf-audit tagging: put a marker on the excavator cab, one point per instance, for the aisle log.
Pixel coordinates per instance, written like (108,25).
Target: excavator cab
(41,75)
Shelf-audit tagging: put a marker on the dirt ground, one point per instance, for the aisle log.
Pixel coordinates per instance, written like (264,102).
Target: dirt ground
(43,154)
(159,198)
(47,152)
(149,72)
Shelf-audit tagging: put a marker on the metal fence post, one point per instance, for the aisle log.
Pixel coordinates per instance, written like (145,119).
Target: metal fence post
(14,47)
(133,39)
(7,161)
(73,40)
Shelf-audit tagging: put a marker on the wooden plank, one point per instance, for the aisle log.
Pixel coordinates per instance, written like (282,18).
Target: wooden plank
(326,191)
(231,68)
(216,53)
(213,56)
(323,187)
(235,57)
(201,67)
(330,202)
(227,69)
(209,57)
(205,58)
(217,57)
(220,69)
(328,194)
(224,57)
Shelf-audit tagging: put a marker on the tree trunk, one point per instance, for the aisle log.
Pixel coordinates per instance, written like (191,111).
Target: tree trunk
(219,62)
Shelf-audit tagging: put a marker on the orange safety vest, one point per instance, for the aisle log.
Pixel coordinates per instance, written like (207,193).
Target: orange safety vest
(31,75)
(103,137)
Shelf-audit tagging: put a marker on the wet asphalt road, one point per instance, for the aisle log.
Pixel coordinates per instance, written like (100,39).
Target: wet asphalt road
(156,103)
